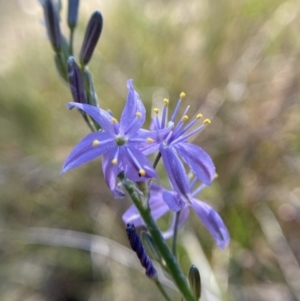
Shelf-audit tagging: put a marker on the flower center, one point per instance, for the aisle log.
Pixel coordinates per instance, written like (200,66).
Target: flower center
(120,140)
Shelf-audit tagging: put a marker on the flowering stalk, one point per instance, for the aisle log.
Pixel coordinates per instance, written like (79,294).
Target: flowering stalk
(162,246)
(125,145)
(174,241)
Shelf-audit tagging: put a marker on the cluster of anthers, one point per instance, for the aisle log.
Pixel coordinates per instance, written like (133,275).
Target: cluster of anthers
(179,129)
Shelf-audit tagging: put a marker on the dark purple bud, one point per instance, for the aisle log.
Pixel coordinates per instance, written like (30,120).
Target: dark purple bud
(73,13)
(52,24)
(137,246)
(91,37)
(195,281)
(75,80)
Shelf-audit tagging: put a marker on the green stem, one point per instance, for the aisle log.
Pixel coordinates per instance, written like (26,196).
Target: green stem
(156,160)
(162,246)
(71,40)
(88,122)
(161,289)
(174,242)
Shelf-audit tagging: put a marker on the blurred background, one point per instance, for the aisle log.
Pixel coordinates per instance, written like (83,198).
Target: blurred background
(62,237)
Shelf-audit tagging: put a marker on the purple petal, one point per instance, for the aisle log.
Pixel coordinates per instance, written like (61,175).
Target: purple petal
(175,171)
(158,209)
(100,116)
(213,223)
(133,105)
(141,143)
(173,200)
(183,217)
(84,151)
(133,160)
(111,172)
(198,160)
(131,215)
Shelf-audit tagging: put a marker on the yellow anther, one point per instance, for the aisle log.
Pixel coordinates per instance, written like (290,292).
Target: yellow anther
(216,176)
(138,114)
(114,161)
(166,101)
(199,116)
(96,142)
(207,122)
(156,110)
(182,95)
(150,140)
(185,118)
(114,120)
(142,172)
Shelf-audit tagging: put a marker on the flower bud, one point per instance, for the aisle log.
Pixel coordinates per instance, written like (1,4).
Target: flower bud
(137,246)
(195,281)
(73,13)
(91,37)
(52,24)
(75,80)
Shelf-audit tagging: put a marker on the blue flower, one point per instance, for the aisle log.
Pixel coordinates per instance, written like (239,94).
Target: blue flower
(162,201)
(176,146)
(118,142)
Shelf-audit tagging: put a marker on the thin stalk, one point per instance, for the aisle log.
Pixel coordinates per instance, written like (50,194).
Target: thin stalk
(174,242)
(71,41)
(156,160)
(162,246)
(88,122)
(162,290)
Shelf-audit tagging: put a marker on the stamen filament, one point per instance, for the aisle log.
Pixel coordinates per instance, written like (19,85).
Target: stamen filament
(114,161)
(182,117)
(164,115)
(193,182)
(176,132)
(176,110)
(200,188)
(181,138)
(186,128)
(97,142)
(138,115)
(136,162)
(157,122)
(115,123)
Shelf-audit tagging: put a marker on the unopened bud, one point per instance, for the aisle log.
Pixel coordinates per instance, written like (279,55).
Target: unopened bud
(137,246)
(52,24)
(91,37)
(76,82)
(73,13)
(195,281)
